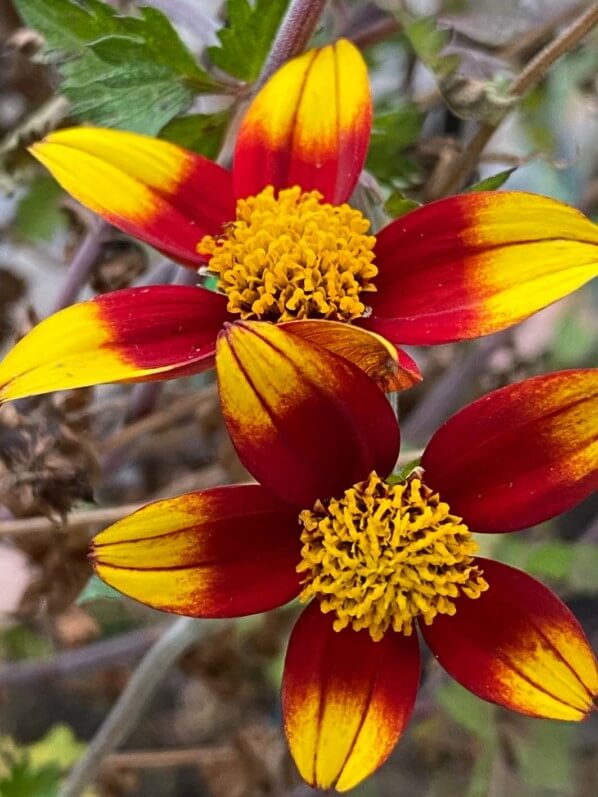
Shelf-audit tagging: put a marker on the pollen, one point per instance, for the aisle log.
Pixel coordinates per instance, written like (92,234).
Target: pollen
(385,555)
(292,256)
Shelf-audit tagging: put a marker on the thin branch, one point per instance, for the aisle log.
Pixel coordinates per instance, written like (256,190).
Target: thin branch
(462,166)
(158,759)
(77,520)
(371,26)
(539,65)
(181,635)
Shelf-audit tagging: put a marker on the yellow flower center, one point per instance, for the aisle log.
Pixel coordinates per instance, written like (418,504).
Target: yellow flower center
(293,256)
(385,554)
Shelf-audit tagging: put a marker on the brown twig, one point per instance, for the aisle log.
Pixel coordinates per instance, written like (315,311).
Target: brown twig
(461,168)
(77,520)
(534,37)
(158,759)
(376,27)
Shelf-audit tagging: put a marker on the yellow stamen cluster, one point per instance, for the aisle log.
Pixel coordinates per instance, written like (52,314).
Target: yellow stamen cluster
(385,554)
(292,256)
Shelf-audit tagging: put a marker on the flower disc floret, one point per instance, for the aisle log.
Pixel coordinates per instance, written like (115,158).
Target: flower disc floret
(291,256)
(383,555)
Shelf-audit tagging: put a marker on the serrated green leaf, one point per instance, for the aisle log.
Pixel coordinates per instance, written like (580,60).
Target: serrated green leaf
(398,205)
(120,71)
(95,589)
(201,133)
(143,108)
(247,36)
(494,182)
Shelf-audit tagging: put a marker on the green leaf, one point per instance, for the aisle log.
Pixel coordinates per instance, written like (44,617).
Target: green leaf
(398,204)
(201,133)
(473,714)
(58,747)
(247,37)
(95,589)
(573,564)
(39,216)
(545,755)
(129,72)
(494,182)
(584,566)
(393,131)
(24,780)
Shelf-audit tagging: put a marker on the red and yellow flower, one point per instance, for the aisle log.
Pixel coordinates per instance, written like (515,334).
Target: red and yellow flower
(284,246)
(376,557)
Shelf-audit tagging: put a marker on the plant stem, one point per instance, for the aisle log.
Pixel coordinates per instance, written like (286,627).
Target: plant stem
(81,265)
(67,663)
(293,35)
(142,685)
(458,174)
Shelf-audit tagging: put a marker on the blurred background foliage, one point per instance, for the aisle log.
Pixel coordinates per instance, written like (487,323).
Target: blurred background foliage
(182,70)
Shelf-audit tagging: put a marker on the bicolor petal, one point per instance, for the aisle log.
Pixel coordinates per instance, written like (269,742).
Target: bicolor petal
(305,422)
(224,552)
(136,334)
(519,646)
(346,699)
(519,455)
(309,126)
(152,189)
(476,263)
(392,368)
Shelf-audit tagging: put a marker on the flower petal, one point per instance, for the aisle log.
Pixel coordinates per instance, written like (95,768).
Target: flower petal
(136,334)
(346,699)
(151,189)
(472,264)
(521,454)
(309,126)
(305,422)
(390,367)
(224,552)
(517,645)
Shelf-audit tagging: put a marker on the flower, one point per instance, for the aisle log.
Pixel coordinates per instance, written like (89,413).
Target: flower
(374,556)
(283,245)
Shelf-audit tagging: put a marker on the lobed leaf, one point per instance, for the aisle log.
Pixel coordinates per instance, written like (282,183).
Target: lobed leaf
(121,71)
(247,36)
